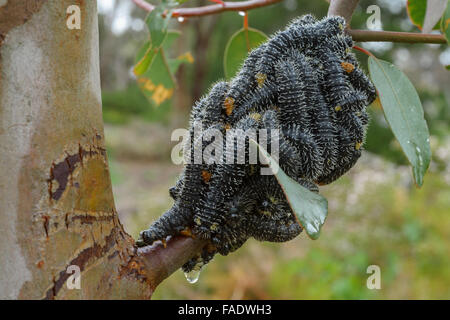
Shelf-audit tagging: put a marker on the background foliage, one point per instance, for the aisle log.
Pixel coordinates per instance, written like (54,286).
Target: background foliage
(376,215)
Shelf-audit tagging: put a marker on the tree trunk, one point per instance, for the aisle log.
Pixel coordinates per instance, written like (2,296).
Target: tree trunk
(56,203)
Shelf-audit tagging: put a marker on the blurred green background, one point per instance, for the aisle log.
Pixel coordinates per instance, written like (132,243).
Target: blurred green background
(376,214)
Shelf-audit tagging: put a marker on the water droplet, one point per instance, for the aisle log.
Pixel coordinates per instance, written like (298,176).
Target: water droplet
(180,19)
(312,230)
(192,276)
(242,13)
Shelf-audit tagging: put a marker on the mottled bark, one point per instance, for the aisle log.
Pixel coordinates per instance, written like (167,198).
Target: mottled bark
(56,202)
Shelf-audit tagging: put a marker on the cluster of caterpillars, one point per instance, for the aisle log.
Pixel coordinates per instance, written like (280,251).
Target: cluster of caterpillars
(306,83)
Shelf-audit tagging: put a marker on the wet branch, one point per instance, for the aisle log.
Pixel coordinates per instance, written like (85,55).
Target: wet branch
(160,262)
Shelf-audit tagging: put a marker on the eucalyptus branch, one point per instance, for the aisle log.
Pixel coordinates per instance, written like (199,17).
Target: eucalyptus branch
(393,36)
(211,9)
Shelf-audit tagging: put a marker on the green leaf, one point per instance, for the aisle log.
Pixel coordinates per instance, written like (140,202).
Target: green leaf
(238,47)
(417,11)
(310,208)
(146,59)
(157,25)
(445,23)
(404,113)
(174,64)
(157,82)
(147,53)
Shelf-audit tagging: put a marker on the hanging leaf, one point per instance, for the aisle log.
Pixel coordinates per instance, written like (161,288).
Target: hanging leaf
(157,82)
(310,208)
(417,10)
(157,22)
(445,23)
(174,64)
(435,9)
(404,113)
(238,47)
(146,59)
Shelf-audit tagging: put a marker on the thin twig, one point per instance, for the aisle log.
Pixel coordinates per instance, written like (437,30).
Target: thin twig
(393,36)
(163,260)
(211,9)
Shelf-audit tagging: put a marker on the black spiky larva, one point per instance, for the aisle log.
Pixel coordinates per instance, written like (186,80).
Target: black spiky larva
(305,83)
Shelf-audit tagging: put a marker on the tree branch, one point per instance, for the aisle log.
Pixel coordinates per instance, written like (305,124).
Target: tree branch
(160,262)
(211,9)
(393,36)
(343,8)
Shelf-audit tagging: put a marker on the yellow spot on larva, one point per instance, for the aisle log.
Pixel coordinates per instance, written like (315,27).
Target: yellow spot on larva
(229,105)
(341,26)
(273,200)
(255,116)
(260,78)
(206,176)
(214,226)
(347,66)
(187,232)
(227,126)
(358,145)
(197,221)
(265,212)
(338,108)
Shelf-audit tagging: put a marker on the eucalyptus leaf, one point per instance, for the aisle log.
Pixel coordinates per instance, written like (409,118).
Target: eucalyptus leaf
(310,208)
(417,11)
(238,47)
(157,23)
(445,23)
(404,113)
